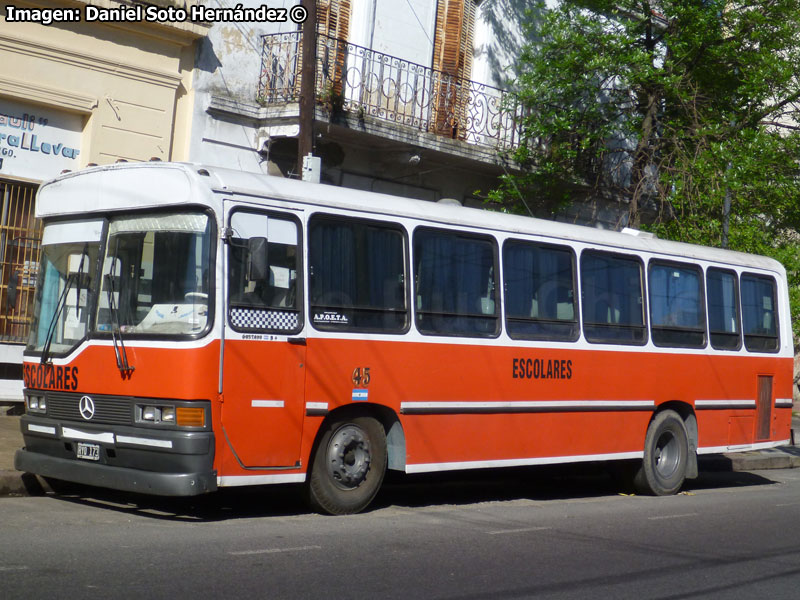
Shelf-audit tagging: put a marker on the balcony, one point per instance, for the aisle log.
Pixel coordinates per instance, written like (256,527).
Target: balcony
(364,84)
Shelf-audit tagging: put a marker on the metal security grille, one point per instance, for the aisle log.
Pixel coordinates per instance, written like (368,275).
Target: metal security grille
(20,247)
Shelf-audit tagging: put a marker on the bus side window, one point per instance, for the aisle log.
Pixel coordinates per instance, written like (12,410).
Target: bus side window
(357,275)
(759,315)
(540,291)
(456,284)
(612,300)
(263,262)
(723,309)
(677,318)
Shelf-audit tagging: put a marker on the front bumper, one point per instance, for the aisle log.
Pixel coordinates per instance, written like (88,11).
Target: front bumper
(132,459)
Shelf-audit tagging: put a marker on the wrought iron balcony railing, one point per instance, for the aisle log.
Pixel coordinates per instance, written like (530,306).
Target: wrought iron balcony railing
(364,83)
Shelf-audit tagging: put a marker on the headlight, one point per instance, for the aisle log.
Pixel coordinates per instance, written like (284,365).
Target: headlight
(182,416)
(168,414)
(36,404)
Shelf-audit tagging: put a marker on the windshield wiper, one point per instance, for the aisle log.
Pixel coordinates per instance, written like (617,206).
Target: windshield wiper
(62,302)
(51,328)
(116,331)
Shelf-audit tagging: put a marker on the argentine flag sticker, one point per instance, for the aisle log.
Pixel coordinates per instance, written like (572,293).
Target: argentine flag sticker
(360,395)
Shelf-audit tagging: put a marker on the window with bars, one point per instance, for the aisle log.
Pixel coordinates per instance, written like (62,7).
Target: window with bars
(20,246)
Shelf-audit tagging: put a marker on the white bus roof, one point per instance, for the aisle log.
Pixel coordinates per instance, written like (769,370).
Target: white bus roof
(154,184)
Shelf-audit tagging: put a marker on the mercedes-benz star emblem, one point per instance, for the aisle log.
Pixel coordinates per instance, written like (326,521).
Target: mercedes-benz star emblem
(86,406)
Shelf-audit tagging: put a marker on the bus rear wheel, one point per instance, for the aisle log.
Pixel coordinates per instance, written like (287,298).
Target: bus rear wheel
(348,466)
(666,453)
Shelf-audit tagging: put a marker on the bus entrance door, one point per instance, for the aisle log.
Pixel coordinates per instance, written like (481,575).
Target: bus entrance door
(263,405)
(263,371)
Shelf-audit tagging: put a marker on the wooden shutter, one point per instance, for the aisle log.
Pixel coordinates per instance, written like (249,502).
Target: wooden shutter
(452,62)
(333,18)
(333,28)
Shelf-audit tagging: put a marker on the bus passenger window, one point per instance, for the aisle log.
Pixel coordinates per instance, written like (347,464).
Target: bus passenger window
(723,309)
(613,307)
(759,314)
(357,275)
(540,291)
(263,262)
(677,318)
(455,278)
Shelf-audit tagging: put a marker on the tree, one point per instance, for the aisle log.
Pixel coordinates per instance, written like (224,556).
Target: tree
(684,111)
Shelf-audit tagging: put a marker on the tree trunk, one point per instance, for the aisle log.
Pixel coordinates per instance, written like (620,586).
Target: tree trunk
(642,159)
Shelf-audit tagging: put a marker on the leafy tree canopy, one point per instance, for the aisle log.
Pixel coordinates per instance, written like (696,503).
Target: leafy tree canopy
(675,108)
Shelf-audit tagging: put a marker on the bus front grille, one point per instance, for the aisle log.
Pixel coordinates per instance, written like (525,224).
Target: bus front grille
(112,410)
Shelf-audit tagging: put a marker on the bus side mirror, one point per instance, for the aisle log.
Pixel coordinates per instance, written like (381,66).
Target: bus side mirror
(257,262)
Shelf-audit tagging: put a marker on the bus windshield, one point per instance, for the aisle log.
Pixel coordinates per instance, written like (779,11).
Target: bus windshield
(155,275)
(155,279)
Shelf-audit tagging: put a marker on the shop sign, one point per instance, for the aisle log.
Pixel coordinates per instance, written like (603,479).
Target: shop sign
(37,143)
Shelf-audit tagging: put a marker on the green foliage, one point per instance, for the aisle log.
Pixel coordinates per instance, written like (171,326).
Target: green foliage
(669,107)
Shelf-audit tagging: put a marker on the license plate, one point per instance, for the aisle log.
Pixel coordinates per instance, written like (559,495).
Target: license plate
(88,451)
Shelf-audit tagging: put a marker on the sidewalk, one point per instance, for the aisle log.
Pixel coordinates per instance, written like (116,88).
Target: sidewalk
(14,483)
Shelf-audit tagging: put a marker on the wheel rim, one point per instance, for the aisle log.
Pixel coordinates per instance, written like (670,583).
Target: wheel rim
(667,455)
(348,457)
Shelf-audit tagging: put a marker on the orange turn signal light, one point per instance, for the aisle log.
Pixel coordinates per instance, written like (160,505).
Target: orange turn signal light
(188,416)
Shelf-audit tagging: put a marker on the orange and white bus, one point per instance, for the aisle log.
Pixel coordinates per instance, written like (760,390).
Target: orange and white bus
(199,328)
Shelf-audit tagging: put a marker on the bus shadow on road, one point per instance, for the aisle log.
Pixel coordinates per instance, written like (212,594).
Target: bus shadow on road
(541,484)
(720,479)
(225,504)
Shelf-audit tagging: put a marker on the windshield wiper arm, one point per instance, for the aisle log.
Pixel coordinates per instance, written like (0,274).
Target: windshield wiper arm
(116,332)
(51,328)
(62,302)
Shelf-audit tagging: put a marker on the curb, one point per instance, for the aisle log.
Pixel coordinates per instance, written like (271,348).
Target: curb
(16,483)
(773,458)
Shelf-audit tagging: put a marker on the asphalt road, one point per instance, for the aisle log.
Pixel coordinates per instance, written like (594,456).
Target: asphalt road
(536,533)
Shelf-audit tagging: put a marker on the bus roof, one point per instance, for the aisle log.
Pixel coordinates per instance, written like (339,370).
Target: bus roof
(123,186)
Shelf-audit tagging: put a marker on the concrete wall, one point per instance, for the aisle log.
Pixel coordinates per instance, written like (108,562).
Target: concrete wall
(401,29)
(228,65)
(499,35)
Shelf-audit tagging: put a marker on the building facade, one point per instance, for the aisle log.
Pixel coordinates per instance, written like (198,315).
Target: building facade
(408,97)
(72,94)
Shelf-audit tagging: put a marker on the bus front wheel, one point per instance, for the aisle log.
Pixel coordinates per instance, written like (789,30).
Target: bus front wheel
(348,466)
(666,452)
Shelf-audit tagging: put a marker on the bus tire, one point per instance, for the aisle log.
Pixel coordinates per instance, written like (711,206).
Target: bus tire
(666,455)
(348,466)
